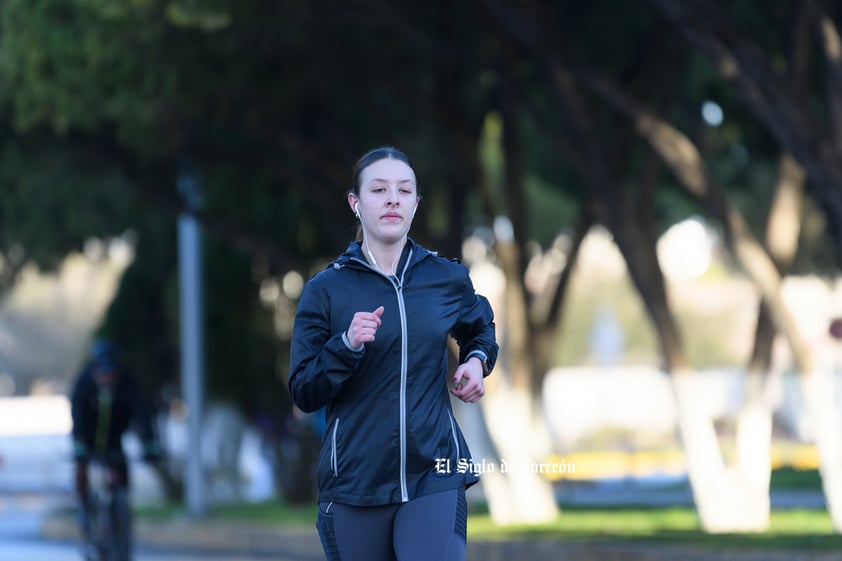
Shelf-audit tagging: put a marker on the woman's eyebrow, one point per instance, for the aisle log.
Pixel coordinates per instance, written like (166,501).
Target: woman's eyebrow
(400,182)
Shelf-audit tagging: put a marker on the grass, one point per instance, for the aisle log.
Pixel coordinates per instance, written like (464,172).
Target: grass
(587,523)
(802,530)
(794,529)
(265,513)
(269,513)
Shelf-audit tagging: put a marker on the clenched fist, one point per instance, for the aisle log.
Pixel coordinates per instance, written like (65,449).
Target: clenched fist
(363,327)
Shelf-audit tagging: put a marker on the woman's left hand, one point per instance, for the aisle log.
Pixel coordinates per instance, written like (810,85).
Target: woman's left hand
(468,380)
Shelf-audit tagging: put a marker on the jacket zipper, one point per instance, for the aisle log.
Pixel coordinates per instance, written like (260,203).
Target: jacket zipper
(334,460)
(453,434)
(397,283)
(402,308)
(404,362)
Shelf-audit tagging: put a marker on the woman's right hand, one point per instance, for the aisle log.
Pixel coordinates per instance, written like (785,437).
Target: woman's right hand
(363,327)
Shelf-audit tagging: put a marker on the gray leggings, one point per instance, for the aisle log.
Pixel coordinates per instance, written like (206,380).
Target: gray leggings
(429,527)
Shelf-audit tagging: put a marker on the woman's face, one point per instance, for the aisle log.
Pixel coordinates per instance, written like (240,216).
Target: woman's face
(387,200)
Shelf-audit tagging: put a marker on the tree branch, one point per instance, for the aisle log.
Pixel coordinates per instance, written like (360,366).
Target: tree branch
(786,116)
(831,46)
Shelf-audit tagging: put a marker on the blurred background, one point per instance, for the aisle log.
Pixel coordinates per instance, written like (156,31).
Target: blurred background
(649,193)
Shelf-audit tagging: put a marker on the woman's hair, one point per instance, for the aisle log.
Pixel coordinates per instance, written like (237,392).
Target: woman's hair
(384,152)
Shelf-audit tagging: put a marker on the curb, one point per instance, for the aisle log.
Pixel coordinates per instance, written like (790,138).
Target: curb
(289,543)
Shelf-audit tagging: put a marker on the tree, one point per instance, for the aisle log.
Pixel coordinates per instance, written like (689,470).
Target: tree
(271,102)
(712,484)
(790,118)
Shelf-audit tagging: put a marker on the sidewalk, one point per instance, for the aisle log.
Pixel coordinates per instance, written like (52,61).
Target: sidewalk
(286,543)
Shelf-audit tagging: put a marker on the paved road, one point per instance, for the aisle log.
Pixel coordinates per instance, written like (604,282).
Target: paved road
(29,550)
(22,538)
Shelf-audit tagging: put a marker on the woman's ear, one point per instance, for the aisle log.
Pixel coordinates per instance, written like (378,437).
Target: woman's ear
(354,203)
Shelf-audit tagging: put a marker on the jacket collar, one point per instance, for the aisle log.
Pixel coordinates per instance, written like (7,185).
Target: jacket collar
(354,253)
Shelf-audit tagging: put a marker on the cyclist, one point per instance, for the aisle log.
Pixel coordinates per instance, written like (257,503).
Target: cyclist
(105,403)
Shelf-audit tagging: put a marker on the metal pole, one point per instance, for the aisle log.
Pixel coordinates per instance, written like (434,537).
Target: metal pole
(192,348)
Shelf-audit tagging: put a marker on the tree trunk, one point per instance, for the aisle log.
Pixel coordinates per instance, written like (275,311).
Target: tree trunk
(512,407)
(724,500)
(791,122)
(514,433)
(819,391)
(754,422)
(515,409)
(727,500)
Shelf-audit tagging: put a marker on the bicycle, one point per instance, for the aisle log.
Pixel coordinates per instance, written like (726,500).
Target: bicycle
(109,526)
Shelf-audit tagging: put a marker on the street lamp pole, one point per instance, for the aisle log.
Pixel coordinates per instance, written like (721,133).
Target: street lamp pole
(192,344)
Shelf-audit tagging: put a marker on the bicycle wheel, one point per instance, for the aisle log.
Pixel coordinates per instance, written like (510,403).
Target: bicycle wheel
(90,531)
(121,522)
(101,531)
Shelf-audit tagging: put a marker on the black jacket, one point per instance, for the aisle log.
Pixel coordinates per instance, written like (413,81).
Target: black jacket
(391,435)
(100,419)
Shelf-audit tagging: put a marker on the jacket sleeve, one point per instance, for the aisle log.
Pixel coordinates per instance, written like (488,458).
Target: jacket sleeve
(475,329)
(81,431)
(321,363)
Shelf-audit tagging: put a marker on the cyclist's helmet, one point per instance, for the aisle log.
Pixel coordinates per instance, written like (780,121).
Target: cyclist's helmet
(103,355)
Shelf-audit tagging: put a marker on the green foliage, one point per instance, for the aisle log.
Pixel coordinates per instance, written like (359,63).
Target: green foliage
(549,206)
(143,317)
(65,66)
(243,347)
(272,102)
(55,196)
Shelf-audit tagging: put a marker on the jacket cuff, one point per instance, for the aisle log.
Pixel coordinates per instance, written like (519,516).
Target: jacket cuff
(483,358)
(348,343)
